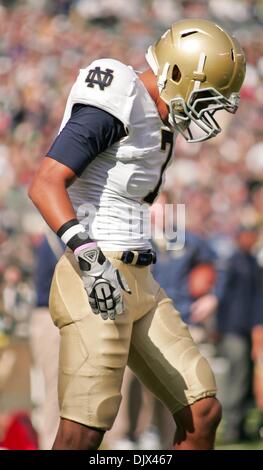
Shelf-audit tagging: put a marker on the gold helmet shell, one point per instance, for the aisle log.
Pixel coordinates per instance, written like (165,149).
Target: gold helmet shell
(200,69)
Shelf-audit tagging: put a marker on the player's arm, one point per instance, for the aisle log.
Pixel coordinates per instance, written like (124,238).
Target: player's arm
(48,192)
(88,132)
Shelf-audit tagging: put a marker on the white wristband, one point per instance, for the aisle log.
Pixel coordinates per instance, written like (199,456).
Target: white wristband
(71,232)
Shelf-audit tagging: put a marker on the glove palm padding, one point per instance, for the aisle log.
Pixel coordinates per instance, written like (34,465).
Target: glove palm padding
(103,283)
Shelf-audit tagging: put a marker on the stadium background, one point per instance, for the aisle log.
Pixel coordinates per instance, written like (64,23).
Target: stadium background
(42,46)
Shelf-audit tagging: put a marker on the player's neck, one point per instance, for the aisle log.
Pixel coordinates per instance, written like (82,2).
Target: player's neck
(150,82)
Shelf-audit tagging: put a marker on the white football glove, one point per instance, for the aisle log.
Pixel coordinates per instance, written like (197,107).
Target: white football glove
(103,283)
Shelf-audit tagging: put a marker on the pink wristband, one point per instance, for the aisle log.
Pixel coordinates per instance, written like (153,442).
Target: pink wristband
(86,245)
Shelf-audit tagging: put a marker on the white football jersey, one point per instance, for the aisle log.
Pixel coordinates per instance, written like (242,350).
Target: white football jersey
(111,197)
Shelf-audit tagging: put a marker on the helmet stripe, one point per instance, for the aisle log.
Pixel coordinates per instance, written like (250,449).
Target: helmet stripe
(200,70)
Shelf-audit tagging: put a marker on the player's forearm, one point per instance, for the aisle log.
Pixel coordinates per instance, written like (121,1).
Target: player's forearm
(49,194)
(52,201)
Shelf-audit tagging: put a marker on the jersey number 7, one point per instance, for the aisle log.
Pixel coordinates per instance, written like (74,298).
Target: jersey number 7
(167,139)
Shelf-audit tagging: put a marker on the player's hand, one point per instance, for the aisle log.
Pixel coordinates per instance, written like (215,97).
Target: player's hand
(102,282)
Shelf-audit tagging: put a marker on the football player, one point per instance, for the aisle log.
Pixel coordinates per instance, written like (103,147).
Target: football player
(94,188)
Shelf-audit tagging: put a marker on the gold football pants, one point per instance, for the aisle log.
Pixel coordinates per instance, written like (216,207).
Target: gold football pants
(149,336)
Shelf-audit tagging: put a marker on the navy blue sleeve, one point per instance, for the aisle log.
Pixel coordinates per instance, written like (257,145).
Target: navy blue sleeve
(88,132)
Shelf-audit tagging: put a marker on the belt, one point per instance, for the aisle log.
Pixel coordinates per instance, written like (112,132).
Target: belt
(139,258)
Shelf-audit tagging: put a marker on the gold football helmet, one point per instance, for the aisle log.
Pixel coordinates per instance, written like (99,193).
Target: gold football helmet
(200,69)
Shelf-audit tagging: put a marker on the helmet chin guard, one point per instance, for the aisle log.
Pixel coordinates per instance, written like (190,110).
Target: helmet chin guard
(195,120)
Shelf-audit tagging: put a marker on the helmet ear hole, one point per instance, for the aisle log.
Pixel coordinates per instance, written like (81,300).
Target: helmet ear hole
(176,74)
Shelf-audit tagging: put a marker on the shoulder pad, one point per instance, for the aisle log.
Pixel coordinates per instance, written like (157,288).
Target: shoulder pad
(107,84)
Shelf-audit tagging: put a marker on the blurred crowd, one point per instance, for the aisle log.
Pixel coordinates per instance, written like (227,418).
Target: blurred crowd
(43,44)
